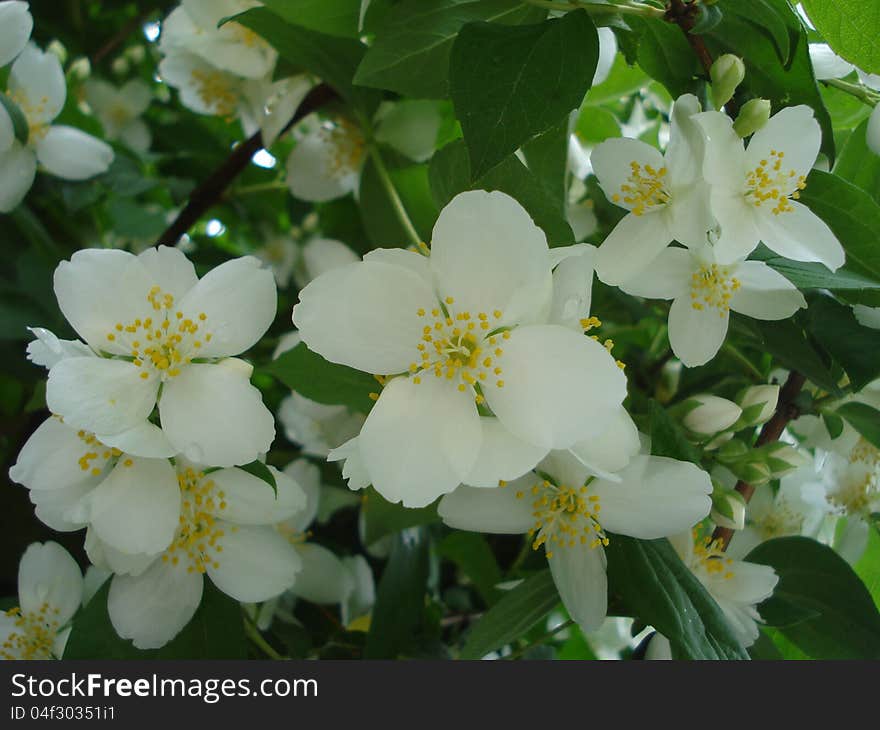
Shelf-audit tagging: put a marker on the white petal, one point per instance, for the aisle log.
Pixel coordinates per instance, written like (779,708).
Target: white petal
(136,95)
(113,560)
(738,226)
(764,293)
(558,386)
(202,87)
(313,173)
(827,64)
(7,131)
(101,396)
(250,501)
(63,510)
(213,414)
(323,254)
(136,135)
(667,277)
(487,253)
(612,160)
(37,80)
(801,235)
(872,133)
(365,315)
(47,349)
(322,578)
(579,574)
(684,153)
(565,468)
(152,608)
(256,563)
(792,130)
(607,54)
(136,509)
(239,300)
(50,458)
(573,288)
(420,440)
(632,247)
(47,574)
(18,165)
(146,439)
(725,161)
(16,25)
(411,127)
(502,456)
(412,260)
(361,598)
(496,510)
(308,476)
(655,497)
(280,104)
(170,269)
(690,217)
(353,470)
(72,154)
(610,450)
(696,335)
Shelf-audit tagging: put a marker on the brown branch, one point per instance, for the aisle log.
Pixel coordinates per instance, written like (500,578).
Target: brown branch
(786,410)
(210,191)
(118,38)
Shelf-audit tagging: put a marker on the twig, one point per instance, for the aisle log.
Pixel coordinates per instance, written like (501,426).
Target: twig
(210,191)
(786,410)
(118,38)
(399,208)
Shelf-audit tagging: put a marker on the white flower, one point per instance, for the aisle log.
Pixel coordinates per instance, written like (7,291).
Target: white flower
(827,64)
(571,514)
(737,586)
(755,189)
(120,110)
(765,396)
(665,195)
(607,54)
(16,25)
(410,126)
(50,587)
(279,253)
(224,528)
(327,159)
(319,255)
(36,84)
(460,329)
(161,335)
(704,291)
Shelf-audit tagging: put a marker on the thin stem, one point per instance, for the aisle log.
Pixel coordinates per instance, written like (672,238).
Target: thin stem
(394,196)
(645,11)
(743,360)
(253,633)
(540,640)
(862,93)
(259,188)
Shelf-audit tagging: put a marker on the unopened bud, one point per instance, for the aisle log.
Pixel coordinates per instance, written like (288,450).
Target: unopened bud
(752,472)
(135,54)
(120,66)
(732,451)
(710,414)
(57,49)
(758,404)
(80,68)
(753,115)
(726,73)
(783,458)
(728,509)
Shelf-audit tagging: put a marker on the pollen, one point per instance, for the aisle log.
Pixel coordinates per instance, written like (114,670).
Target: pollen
(770,184)
(33,635)
(644,189)
(199,533)
(712,287)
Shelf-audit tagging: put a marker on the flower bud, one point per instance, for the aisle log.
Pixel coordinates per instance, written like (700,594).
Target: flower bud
(136,54)
(753,115)
(120,66)
(732,451)
(726,73)
(728,509)
(782,458)
(57,49)
(872,137)
(758,404)
(755,472)
(80,68)
(710,415)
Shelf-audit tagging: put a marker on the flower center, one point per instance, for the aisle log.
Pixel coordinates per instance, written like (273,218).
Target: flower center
(164,345)
(709,555)
(198,536)
(712,287)
(644,189)
(215,90)
(119,114)
(96,455)
(346,146)
(857,490)
(461,348)
(780,522)
(566,516)
(769,182)
(33,112)
(34,636)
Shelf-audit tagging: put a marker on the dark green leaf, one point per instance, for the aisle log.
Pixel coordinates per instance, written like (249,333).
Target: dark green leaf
(382,517)
(471,552)
(665,55)
(851,28)
(315,378)
(814,577)
(333,17)
(512,83)
(816,276)
(450,172)
(668,438)
(547,159)
(516,612)
(833,424)
(398,614)
(658,588)
(864,419)
(259,470)
(857,164)
(851,344)
(410,54)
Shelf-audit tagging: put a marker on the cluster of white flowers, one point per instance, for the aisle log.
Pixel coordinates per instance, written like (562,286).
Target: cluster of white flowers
(35,95)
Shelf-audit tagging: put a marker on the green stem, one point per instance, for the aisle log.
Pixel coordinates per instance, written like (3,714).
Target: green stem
(749,365)
(253,633)
(863,93)
(394,197)
(540,640)
(645,11)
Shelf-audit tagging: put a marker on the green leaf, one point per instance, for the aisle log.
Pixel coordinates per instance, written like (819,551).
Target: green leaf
(470,552)
(773,18)
(333,17)
(216,631)
(851,344)
(517,611)
(868,566)
(857,164)
(596,124)
(259,470)
(546,158)
(400,599)
(864,419)
(382,517)
(851,28)
(653,583)
(833,424)
(511,83)
(331,58)
(665,55)
(816,276)
(410,54)
(17,117)
(315,378)
(449,174)
(622,81)
(668,438)
(812,576)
